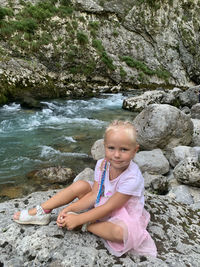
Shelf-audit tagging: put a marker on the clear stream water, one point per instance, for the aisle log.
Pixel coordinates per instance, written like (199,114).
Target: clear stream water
(60,134)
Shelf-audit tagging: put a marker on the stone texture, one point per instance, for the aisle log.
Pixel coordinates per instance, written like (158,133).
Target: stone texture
(188,171)
(180,153)
(196,132)
(97,150)
(195,111)
(153,162)
(163,126)
(55,175)
(174,227)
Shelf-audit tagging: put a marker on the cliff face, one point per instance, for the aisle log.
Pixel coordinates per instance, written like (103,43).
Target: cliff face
(67,48)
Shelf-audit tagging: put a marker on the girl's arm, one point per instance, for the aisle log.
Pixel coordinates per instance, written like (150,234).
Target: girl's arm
(84,203)
(87,201)
(113,203)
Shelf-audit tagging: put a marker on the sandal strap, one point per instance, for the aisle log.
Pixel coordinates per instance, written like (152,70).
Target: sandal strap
(40,210)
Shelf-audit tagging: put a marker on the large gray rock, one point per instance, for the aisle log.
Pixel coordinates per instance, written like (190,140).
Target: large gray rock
(97,150)
(195,111)
(54,175)
(138,103)
(190,96)
(196,132)
(180,153)
(153,162)
(188,171)
(163,126)
(172,226)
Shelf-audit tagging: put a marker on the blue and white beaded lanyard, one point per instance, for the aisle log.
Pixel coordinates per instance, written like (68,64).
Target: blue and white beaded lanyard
(101,183)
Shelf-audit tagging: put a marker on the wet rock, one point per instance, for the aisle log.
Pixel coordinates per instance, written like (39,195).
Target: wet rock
(58,175)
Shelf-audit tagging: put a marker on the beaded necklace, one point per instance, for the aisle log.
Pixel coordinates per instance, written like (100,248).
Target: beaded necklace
(101,180)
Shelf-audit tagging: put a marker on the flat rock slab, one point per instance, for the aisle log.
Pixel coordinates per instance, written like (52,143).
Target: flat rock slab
(174,227)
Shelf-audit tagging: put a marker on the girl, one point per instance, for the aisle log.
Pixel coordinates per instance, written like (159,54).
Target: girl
(115,200)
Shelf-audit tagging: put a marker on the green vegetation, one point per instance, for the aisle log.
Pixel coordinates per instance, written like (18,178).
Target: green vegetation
(21,29)
(82,38)
(144,69)
(122,73)
(97,44)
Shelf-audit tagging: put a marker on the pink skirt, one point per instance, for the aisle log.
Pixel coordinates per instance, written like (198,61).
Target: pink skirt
(133,218)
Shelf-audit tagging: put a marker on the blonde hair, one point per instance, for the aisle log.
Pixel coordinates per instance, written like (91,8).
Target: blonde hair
(126,125)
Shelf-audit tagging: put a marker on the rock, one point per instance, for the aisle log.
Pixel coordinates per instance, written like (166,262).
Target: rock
(87,175)
(89,5)
(180,153)
(182,194)
(30,103)
(190,96)
(163,126)
(188,171)
(153,162)
(172,225)
(97,150)
(54,175)
(138,103)
(186,110)
(196,132)
(157,184)
(195,111)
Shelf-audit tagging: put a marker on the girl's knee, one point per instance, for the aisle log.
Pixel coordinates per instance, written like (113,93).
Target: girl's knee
(118,233)
(83,187)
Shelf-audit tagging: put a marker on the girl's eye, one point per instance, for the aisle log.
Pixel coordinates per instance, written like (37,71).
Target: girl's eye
(124,149)
(111,147)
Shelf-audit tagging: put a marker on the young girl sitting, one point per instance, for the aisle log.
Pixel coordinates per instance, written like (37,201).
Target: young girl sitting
(115,199)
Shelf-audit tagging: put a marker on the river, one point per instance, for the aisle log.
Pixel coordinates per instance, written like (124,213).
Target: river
(61,134)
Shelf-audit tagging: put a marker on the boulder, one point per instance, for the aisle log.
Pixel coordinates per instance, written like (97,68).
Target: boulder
(196,132)
(188,171)
(86,175)
(155,183)
(58,175)
(138,103)
(180,153)
(189,97)
(195,111)
(163,126)
(153,162)
(97,150)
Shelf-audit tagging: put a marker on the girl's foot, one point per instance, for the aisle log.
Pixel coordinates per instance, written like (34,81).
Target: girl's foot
(33,216)
(30,212)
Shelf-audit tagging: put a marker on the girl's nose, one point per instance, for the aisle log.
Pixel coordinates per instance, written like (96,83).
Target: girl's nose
(117,153)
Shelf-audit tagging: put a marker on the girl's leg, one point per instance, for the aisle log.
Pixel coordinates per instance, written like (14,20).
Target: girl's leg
(63,197)
(107,230)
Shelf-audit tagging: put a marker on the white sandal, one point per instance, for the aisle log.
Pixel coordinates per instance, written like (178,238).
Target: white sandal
(40,218)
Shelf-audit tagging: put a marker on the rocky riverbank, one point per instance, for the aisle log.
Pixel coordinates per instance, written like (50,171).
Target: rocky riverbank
(169,159)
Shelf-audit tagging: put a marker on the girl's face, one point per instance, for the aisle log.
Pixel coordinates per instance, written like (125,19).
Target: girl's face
(119,149)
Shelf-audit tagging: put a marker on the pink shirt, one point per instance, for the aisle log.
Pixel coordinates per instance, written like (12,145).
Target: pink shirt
(130,182)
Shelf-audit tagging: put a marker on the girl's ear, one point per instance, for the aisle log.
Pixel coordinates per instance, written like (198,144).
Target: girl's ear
(137,148)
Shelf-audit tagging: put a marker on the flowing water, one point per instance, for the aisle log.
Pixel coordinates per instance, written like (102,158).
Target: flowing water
(61,134)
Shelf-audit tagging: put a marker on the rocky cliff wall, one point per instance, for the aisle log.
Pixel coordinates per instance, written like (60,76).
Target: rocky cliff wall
(68,48)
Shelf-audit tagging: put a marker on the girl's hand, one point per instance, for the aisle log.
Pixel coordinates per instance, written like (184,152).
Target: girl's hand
(63,213)
(69,220)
